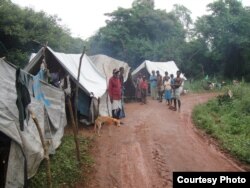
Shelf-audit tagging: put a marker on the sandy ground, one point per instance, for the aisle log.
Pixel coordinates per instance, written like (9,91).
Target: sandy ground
(153,142)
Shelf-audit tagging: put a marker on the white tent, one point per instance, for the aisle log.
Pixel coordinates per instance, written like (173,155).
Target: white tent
(92,83)
(105,65)
(162,67)
(26,151)
(91,80)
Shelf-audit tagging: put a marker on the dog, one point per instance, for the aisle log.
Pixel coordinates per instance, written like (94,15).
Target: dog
(105,120)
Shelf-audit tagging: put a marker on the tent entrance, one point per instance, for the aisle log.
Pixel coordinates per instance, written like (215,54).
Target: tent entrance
(4,156)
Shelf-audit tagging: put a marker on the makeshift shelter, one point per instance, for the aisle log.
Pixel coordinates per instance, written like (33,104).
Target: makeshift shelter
(105,65)
(92,84)
(22,145)
(147,66)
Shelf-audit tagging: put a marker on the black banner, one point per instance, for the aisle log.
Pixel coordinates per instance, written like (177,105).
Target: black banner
(211,179)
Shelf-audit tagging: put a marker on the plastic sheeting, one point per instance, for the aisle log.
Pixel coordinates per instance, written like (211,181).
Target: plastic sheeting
(90,78)
(162,67)
(27,144)
(105,66)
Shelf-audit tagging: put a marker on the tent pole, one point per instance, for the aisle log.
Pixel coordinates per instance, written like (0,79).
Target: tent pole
(45,148)
(107,98)
(77,87)
(74,129)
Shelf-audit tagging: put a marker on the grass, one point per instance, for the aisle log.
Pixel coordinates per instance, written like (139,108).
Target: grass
(228,120)
(198,86)
(65,169)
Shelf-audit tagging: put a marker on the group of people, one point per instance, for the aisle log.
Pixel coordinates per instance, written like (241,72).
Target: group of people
(166,86)
(141,88)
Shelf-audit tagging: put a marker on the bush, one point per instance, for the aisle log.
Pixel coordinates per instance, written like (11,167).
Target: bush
(227,120)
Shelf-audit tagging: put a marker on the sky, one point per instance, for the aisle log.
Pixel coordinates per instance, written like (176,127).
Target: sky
(85,17)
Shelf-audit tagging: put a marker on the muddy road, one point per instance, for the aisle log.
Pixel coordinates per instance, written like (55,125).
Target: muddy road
(153,142)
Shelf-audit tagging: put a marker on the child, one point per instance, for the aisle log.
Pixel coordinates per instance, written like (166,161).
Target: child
(167,86)
(144,89)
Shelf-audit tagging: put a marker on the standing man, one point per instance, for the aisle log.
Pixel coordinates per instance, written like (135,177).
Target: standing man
(121,77)
(172,88)
(153,84)
(177,90)
(137,89)
(114,90)
(160,87)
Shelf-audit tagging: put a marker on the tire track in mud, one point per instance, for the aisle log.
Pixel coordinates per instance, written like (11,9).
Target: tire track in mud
(134,172)
(162,168)
(162,175)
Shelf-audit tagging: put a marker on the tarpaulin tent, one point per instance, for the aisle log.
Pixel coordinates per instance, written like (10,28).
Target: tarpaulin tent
(26,151)
(105,65)
(147,66)
(91,82)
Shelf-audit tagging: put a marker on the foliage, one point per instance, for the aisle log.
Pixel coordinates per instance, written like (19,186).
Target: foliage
(226,34)
(23,31)
(216,44)
(140,33)
(228,121)
(65,169)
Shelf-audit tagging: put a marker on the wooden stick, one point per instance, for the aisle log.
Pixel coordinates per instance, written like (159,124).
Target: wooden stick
(107,97)
(77,87)
(45,148)
(74,130)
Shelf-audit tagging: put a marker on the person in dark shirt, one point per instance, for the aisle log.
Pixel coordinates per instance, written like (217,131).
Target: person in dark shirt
(121,76)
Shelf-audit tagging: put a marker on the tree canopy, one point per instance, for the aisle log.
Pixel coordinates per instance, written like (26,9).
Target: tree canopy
(23,31)
(216,44)
(140,33)
(226,34)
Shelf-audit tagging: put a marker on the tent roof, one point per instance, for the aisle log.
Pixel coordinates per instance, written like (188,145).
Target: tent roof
(90,78)
(106,64)
(168,66)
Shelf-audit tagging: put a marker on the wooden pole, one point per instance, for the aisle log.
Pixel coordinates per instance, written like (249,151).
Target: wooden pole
(45,148)
(107,97)
(74,129)
(77,87)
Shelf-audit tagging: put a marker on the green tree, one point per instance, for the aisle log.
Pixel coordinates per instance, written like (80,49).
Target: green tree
(23,31)
(226,32)
(140,33)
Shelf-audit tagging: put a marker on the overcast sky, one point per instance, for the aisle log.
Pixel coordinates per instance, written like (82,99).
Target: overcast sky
(85,17)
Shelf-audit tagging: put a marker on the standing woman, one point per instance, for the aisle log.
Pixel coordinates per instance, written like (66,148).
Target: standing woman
(144,90)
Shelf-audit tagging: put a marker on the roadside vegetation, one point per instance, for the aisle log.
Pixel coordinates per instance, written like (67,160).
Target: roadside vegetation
(228,120)
(65,171)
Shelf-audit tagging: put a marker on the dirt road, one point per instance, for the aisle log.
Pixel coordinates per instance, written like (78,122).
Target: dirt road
(154,142)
